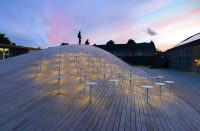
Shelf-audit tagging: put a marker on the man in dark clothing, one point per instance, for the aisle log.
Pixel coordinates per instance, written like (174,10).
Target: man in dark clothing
(79,37)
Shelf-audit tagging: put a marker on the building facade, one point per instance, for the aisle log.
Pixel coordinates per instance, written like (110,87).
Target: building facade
(137,54)
(7,51)
(186,56)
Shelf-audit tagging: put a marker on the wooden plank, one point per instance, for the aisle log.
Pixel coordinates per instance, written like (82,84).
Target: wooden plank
(33,104)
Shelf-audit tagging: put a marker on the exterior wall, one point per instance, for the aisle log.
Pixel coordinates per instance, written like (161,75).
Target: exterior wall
(196,58)
(140,60)
(14,51)
(122,53)
(138,54)
(1,55)
(31,50)
(4,53)
(180,59)
(185,58)
(137,57)
(129,53)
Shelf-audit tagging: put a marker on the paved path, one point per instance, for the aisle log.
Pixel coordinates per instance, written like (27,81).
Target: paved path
(189,78)
(187,85)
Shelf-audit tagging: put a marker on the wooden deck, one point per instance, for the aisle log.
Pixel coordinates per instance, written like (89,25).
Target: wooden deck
(30,103)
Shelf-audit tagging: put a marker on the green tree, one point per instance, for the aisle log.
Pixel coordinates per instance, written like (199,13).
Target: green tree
(4,40)
(13,44)
(151,42)
(131,42)
(110,43)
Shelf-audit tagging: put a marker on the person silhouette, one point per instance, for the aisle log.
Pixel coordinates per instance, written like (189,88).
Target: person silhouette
(87,42)
(79,37)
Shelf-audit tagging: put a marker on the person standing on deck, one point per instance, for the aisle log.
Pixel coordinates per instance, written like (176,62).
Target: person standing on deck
(79,37)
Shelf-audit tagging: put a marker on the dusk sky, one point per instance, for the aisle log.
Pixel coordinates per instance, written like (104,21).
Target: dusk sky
(47,23)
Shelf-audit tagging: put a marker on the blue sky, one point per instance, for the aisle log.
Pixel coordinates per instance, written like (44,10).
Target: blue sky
(47,23)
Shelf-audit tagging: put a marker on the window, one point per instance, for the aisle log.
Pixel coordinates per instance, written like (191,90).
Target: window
(138,53)
(4,52)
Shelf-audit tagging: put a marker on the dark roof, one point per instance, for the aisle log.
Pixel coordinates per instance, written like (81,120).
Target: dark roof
(18,47)
(121,47)
(4,45)
(190,44)
(190,37)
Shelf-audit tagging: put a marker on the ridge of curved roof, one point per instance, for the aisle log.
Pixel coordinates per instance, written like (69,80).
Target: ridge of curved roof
(189,39)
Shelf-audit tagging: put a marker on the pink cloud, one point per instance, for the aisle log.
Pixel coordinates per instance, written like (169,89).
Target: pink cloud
(176,19)
(147,8)
(59,25)
(187,25)
(124,30)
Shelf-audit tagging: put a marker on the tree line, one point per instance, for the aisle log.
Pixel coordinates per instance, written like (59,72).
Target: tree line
(5,40)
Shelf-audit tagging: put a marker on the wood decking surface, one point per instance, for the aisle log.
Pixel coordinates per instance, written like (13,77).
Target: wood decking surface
(30,103)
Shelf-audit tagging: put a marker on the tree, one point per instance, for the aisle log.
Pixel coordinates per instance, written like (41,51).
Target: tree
(13,44)
(158,50)
(4,40)
(131,42)
(110,43)
(62,44)
(151,42)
